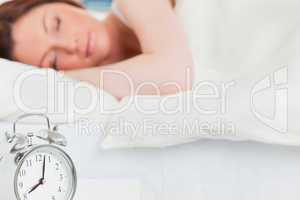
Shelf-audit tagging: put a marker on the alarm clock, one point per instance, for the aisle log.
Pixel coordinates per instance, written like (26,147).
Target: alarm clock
(34,165)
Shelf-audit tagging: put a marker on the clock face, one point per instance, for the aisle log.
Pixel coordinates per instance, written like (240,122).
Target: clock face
(47,173)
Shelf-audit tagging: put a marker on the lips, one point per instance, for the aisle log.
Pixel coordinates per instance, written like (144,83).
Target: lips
(89,45)
(87,48)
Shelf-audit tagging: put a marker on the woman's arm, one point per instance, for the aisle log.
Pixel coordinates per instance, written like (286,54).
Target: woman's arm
(146,74)
(165,54)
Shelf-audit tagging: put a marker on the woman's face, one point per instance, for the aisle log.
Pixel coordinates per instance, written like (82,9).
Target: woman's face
(60,36)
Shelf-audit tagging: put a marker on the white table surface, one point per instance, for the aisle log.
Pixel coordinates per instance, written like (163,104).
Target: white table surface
(210,170)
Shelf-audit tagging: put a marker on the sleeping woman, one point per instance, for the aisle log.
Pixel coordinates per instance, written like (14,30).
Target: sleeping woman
(140,47)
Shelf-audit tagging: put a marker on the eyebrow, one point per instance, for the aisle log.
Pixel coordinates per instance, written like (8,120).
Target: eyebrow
(46,32)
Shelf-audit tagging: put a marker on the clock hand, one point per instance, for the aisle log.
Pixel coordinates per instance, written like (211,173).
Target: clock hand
(35,186)
(44,168)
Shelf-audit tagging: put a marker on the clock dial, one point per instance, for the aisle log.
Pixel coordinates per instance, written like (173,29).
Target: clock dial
(45,173)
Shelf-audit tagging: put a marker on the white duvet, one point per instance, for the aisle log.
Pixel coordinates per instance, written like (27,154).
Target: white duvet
(246,82)
(247,71)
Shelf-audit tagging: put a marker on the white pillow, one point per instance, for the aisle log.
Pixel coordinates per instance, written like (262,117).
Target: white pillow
(27,89)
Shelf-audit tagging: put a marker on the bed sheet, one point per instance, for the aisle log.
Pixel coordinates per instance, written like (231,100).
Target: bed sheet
(206,169)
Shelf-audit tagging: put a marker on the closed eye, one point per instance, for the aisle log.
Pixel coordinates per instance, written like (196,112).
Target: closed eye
(56,26)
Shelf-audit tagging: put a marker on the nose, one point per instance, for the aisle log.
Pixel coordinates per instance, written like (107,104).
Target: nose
(72,46)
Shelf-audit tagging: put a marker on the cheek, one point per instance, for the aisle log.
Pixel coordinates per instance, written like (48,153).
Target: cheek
(23,39)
